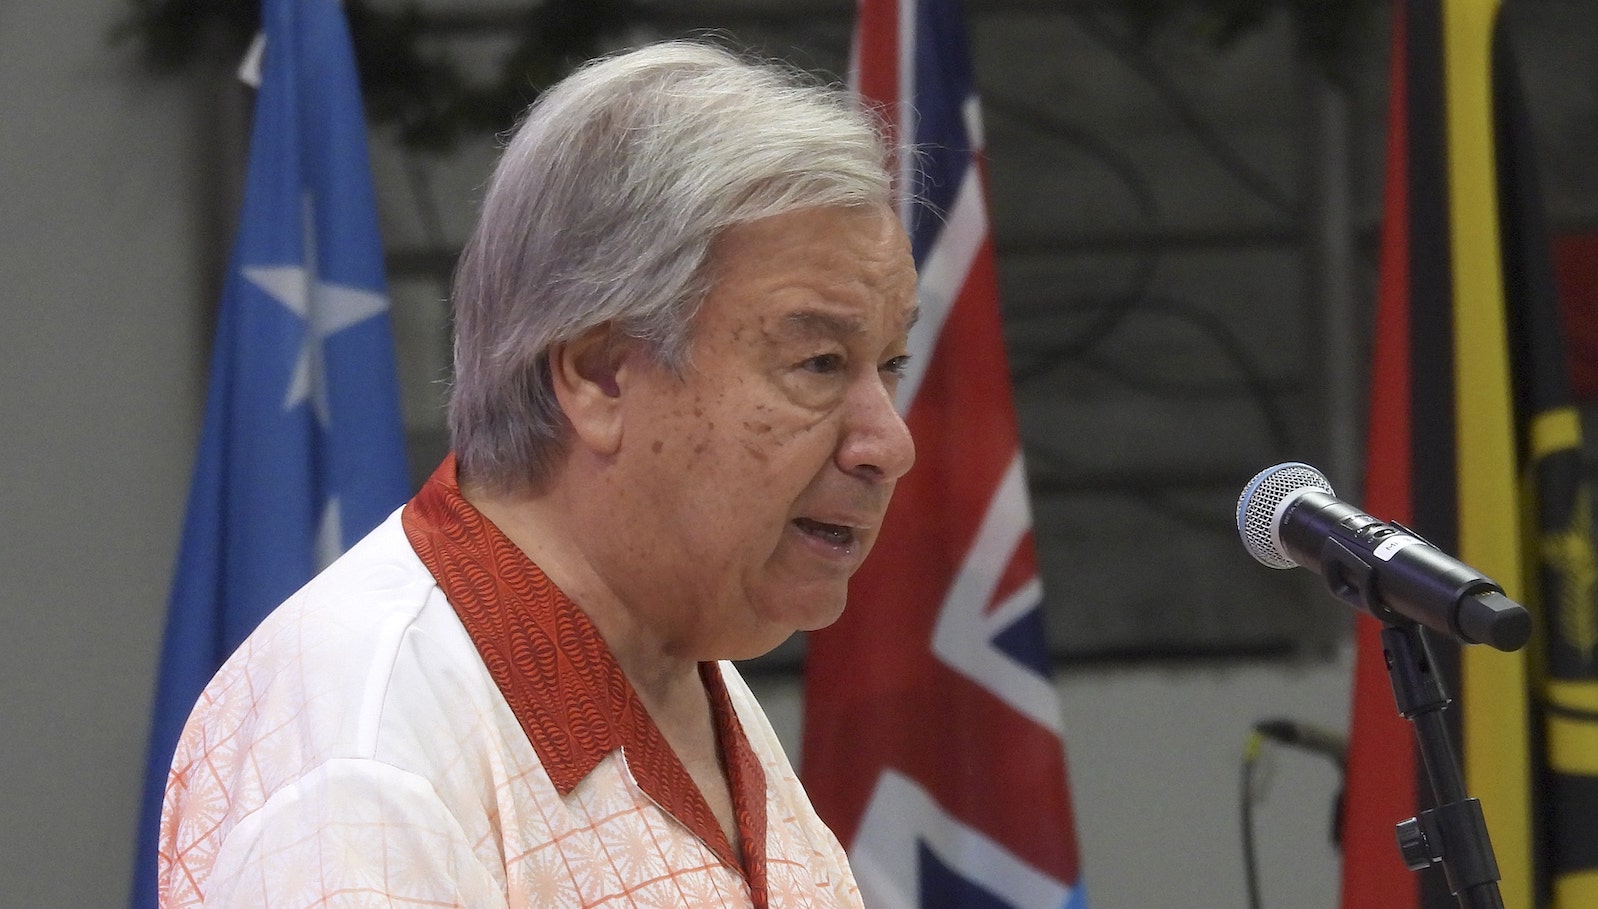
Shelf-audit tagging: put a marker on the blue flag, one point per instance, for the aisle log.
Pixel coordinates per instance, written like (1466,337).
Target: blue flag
(302,451)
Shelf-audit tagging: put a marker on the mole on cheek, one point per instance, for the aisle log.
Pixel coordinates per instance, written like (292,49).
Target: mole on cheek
(657,446)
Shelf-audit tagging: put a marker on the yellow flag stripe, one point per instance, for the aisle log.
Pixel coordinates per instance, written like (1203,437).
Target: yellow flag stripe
(1578,889)
(1582,696)
(1573,746)
(1554,431)
(1488,504)
(1497,762)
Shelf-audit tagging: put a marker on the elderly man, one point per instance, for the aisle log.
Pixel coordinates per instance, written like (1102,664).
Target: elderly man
(679,326)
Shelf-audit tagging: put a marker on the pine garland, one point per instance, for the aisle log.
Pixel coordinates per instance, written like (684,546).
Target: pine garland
(414,86)
(408,79)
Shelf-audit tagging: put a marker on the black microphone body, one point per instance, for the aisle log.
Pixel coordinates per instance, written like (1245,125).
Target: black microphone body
(1386,569)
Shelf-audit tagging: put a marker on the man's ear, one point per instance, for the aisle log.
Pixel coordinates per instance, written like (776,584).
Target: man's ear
(585,372)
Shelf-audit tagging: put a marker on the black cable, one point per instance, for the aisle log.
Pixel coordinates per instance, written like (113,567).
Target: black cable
(1323,742)
(1220,334)
(1251,880)
(1208,137)
(1045,467)
(1121,166)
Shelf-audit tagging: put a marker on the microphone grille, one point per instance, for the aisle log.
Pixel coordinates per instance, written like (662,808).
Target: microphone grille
(1259,508)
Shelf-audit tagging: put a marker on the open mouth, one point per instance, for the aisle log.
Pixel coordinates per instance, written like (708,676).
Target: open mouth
(834,534)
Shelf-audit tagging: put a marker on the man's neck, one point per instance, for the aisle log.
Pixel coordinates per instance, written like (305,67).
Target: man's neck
(548,532)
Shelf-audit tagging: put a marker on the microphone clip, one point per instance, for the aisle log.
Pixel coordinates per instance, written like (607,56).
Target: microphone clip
(1352,579)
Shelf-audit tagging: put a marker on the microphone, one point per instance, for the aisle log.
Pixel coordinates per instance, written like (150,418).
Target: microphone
(1288,516)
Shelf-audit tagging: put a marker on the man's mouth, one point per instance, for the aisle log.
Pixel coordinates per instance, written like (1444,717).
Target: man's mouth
(834,534)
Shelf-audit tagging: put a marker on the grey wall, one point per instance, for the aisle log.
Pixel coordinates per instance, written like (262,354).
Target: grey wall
(101,356)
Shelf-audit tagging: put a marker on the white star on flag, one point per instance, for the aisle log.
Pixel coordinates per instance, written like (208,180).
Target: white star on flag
(328,309)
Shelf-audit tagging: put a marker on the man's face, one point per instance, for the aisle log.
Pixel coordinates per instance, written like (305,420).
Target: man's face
(759,476)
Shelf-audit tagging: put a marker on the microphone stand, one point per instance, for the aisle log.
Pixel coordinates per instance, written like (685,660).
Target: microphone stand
(1453,834)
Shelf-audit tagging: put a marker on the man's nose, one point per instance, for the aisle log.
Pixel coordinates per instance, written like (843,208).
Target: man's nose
(876,443)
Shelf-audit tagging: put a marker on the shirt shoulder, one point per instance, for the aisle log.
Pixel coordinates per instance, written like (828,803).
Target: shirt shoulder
(366,665)
(317,669)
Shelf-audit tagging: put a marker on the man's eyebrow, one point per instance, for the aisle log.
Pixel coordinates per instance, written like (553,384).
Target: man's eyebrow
(815,323)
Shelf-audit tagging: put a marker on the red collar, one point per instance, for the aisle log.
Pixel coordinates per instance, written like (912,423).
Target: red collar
(562,682)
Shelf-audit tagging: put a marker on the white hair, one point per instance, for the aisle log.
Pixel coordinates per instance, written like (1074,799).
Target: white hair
(603,209)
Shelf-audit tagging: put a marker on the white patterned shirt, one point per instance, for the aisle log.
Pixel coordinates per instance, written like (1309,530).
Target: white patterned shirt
(430,722)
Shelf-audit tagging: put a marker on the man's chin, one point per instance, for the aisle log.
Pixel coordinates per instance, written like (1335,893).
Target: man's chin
(818,622)
(807,612)
(823,607)
(754,648)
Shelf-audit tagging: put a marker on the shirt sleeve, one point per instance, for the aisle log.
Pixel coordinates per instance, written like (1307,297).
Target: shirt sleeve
(351,832)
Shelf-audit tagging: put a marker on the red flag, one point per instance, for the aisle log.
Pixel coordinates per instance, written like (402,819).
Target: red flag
(932,729)
(1475,444)
(1382,775)
(1576,271)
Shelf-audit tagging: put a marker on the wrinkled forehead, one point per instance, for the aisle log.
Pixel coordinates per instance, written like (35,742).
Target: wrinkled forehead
(827,271)
(812,323)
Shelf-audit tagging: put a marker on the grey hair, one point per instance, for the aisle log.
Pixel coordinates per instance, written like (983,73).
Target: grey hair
(603,209)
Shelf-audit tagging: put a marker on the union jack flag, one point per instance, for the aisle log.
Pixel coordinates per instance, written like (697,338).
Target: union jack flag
(933,741)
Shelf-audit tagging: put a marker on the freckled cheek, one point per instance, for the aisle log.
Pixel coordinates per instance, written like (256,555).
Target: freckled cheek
(694,430)
(776,433)
(757,433)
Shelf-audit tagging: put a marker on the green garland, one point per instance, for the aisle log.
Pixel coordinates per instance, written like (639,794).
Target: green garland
(1328,30)
(412,85)
(409,82)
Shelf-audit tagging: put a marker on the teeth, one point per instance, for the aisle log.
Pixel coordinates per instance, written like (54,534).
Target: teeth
(832,533)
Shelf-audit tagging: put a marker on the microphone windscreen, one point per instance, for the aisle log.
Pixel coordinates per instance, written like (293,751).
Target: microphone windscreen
(1259,509)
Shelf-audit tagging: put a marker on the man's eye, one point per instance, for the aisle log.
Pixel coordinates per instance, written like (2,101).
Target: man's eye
(897,365)
(825,363)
